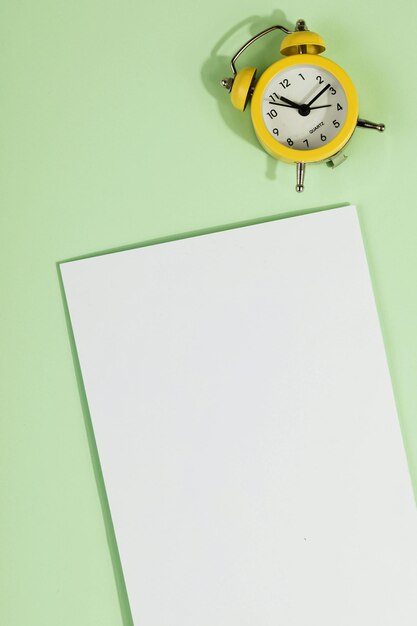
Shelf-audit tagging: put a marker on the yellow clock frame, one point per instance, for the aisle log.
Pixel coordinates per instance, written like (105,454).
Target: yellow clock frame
(299,47)
(284,153)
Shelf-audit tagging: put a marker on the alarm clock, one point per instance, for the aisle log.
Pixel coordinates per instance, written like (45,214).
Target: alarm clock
(304,107)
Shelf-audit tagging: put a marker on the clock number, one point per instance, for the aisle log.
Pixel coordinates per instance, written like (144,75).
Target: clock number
(320,79)
(272,113)
(339,107)
(290,142)
(332,91)
(323,137)
(276,131)
(301,76)
(305,141)
(274,98)
(336,124)
(285,83)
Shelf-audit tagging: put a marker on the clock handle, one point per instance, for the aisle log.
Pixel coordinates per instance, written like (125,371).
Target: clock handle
(241,84)
(252,40)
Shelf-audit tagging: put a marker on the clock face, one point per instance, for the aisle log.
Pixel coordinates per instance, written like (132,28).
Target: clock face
(304,107)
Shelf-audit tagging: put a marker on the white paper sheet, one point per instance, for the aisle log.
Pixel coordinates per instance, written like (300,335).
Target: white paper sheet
(246,427)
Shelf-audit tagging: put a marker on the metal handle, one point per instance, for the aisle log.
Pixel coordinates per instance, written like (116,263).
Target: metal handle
(252,40)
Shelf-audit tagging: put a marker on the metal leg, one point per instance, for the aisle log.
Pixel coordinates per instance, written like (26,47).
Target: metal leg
(301,169)
(367,124)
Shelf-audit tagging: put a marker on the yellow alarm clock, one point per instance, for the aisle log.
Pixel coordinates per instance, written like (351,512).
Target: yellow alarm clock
(304,107)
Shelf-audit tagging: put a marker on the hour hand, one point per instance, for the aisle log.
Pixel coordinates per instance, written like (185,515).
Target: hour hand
(290,102)
(280,104)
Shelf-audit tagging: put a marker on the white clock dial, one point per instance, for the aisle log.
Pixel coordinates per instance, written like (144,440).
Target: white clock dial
(314,109)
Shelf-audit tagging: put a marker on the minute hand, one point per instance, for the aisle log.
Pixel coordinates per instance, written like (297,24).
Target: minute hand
(318,95)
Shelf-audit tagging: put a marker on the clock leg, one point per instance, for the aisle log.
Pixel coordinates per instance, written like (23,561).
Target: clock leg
(367,124)
(301,169)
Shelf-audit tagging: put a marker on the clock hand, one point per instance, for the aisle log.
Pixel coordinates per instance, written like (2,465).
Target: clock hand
(322,106)
(318,95)
(287,106)
(290,102)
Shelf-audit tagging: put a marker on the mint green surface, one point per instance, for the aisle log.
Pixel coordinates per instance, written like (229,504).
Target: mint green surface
(114,130)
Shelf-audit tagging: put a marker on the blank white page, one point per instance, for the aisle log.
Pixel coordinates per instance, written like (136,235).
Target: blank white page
(246,428)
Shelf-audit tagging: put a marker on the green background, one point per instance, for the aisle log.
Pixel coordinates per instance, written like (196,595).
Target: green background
(114,130)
